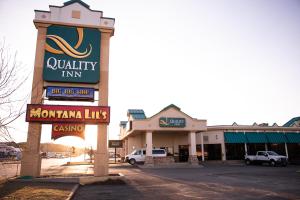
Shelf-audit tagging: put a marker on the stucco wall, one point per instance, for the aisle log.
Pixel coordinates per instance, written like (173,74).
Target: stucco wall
(136,142)
(214,137)
(64,14)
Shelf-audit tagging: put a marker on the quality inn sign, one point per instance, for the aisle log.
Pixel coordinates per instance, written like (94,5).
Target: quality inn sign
(72,54)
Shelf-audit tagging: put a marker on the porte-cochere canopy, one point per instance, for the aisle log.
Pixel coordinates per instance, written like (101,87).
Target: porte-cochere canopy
(171,118)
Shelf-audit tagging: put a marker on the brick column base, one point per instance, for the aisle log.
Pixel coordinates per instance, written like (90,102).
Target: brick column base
(149,161)
(31,164)
(100,168)
(193,160)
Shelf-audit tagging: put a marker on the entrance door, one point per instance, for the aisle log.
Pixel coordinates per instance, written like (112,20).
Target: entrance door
(213,151)
(183,153)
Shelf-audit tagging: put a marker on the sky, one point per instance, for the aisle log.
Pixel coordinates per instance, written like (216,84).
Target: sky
(223,61)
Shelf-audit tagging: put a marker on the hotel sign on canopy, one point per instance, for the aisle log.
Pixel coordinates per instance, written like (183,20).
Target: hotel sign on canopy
(63,113)
(171,122)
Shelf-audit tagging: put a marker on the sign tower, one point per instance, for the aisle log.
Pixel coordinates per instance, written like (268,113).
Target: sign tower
(71,62)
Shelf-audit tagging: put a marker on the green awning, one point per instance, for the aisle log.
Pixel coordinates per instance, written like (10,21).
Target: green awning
(274,137)
(293,137)
(254,137)
(235,137)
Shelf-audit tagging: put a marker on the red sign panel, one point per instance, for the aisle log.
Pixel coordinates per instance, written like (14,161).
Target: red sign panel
(63,113)
(67,129)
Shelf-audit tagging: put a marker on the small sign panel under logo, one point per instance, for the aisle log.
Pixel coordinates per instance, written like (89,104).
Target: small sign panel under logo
(70,93)
(67,129)
(171,122)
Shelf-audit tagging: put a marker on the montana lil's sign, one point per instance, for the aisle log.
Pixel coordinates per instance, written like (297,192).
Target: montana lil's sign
(62,113)
(72,54)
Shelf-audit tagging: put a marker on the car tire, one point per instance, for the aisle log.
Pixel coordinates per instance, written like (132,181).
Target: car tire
(272,163)
(132,161)
(248,162)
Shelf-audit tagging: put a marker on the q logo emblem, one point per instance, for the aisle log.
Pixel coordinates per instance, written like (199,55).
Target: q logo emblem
(163,122)
(66,48)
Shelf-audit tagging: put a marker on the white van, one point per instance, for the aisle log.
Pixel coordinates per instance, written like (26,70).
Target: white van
(139,155)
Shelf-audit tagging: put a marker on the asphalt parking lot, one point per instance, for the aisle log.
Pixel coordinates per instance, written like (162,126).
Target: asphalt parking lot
(213,181)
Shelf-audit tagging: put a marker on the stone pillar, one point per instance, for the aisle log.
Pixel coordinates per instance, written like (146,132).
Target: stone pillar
(31,159)
(101,155)
(246,150)
(286,150)
(202,148)
(126,147)
(192,148)
(223,151)
(149,147)
(266,146)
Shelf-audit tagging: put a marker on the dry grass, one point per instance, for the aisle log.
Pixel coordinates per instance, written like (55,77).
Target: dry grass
(33,190)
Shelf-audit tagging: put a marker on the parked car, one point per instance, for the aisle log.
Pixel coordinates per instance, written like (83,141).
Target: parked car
(139,155)
(270,157)
(10,152)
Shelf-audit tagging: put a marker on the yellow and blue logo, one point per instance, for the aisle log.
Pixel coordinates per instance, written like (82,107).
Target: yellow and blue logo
(66,48)
(72,54)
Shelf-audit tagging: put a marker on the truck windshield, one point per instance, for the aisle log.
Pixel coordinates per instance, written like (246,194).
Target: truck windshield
(138,152)
(132,153)
(272,153)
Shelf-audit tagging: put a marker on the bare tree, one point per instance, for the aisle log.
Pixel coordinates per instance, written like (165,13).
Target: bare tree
(12,77)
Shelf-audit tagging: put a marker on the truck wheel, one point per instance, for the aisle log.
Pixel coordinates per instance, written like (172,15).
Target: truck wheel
(132,161)
(247,162)
(272,163)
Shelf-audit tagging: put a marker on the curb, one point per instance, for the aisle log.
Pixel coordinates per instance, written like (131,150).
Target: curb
(176,166)
(93,179)
(72,192)
(77,163)
(11,162)
(51,180)
(4,180)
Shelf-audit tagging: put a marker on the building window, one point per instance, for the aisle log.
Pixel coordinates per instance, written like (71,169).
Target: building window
(213,151)
(205,138)
(235,151)
(253,148)
(278,148)
(294,152)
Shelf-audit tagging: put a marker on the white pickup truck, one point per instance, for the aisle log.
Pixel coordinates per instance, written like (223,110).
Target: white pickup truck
(139,155)
(270,157)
